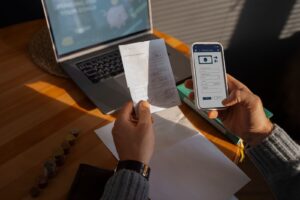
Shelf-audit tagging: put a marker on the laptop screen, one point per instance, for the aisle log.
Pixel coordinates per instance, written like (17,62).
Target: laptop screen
(80,24)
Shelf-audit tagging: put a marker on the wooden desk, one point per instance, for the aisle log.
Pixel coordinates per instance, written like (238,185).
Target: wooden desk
(38,110)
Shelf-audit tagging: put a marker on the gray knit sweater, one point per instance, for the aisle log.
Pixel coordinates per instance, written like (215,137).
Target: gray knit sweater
(277,158)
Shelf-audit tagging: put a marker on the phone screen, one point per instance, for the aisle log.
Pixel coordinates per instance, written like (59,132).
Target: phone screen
(210,75)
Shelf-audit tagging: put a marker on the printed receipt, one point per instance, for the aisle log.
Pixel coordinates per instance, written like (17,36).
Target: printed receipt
(149,74)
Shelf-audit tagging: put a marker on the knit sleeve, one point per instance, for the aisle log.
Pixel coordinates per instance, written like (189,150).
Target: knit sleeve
(126,185)
(278,159)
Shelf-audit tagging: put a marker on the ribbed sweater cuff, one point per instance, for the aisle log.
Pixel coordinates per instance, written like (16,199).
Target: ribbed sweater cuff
(273,154)
(126,185)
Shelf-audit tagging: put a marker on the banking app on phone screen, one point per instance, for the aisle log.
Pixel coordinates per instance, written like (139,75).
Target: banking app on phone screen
(210,76)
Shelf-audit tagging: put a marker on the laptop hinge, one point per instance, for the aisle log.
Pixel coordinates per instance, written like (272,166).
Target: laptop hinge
(100,47)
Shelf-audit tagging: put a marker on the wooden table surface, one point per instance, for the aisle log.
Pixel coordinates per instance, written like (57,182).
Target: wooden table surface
(38,110)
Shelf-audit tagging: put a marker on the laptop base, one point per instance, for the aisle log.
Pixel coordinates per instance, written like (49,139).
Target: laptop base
(111,94)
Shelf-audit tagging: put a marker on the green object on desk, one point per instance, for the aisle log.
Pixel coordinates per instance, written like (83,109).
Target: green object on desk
(217,123)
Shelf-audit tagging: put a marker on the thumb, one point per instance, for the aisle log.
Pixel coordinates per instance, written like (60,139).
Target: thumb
(237,96)
(144,112)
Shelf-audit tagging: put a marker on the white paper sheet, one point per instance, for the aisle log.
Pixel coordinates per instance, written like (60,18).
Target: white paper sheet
(185,165)
(194,169)
(149,74)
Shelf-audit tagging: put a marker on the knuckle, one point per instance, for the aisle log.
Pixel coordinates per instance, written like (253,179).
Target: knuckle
(256,99)
(238,95)
(144,109)
(144,114)
(144,125)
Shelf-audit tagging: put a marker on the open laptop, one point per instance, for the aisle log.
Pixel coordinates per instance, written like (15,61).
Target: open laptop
(85,35)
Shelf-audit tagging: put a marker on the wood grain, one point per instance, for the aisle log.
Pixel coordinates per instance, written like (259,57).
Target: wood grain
(38,110)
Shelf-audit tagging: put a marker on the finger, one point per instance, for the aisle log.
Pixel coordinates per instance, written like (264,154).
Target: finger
(189,84)
(134,119)
(126,111)
(234,84)
(144,112)
(212,114)
(237,96)
(230,83)
(192,95)
(233,81)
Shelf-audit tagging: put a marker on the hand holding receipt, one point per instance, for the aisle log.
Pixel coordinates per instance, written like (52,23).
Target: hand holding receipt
(149,75)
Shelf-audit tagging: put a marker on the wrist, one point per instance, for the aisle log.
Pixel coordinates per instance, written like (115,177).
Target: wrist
(256,138)
(136,166)
(138,158)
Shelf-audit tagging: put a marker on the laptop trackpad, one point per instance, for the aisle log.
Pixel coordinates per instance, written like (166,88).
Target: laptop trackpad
(121,80)
(112,95)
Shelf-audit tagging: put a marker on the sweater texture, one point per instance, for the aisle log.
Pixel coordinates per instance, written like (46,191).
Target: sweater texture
(278,159)
(126,185)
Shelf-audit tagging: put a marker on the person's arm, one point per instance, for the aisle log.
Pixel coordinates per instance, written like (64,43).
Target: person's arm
(126,185)
(273,152)
(134,140)
(278,159)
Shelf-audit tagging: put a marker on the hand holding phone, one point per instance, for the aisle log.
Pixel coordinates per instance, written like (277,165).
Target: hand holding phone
(209,75)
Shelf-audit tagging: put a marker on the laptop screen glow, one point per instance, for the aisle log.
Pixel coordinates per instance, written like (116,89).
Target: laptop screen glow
(80,24)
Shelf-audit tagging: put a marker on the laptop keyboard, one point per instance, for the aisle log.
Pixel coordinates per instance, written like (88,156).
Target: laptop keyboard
(102,67)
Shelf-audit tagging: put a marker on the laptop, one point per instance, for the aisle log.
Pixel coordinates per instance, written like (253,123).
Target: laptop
(85,35)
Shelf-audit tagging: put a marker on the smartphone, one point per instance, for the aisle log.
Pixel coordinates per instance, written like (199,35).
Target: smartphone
(209,75)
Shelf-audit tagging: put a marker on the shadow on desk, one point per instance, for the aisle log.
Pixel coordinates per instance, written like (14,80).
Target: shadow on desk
(36,116)
(257,188)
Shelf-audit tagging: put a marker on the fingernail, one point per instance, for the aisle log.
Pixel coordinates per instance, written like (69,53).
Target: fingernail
(224,102)
(145,104)
(185,82)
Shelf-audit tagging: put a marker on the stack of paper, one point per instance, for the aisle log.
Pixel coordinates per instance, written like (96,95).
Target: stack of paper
(149,75)
(185,165)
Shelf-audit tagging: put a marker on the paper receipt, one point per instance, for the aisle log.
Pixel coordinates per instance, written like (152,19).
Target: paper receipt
(149,74)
